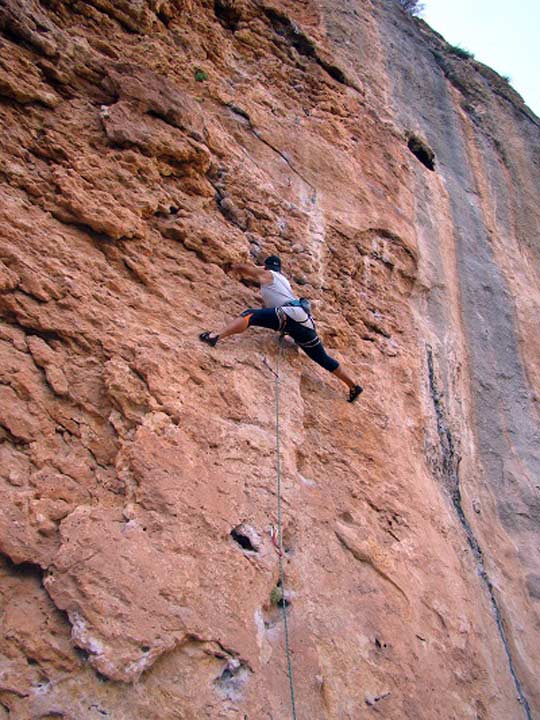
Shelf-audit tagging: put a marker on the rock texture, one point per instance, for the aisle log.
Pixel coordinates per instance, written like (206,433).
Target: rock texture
(147,145)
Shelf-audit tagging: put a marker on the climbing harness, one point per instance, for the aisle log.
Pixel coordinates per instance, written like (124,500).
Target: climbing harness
(280,535)
(302,302)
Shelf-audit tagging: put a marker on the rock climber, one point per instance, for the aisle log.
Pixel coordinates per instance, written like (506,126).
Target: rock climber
(285,313)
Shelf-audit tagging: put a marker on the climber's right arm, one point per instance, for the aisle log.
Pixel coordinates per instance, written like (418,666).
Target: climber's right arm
(252,272)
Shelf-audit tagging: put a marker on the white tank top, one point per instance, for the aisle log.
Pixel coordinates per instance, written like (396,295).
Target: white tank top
(278,292)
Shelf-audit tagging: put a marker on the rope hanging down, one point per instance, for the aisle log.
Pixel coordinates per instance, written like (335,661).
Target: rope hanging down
(280,537)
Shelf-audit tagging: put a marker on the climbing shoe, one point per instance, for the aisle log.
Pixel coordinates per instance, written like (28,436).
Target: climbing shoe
(206,337)
(355,392)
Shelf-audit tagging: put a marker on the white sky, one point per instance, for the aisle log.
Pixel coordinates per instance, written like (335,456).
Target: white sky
(500,33)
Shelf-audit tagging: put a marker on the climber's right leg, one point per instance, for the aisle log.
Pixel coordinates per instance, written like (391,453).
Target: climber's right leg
(262,317)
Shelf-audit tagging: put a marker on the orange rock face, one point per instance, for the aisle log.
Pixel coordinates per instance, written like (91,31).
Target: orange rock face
(145,146)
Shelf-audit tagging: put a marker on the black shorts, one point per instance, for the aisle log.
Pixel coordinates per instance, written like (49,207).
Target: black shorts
(306,338)
(262,317)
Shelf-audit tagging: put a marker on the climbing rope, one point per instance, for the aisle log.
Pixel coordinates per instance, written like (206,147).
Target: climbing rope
(280,537)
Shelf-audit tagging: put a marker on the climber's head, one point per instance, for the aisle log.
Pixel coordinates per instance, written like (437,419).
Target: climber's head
(273,263)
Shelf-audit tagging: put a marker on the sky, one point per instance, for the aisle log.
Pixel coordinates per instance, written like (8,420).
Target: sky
(502,34)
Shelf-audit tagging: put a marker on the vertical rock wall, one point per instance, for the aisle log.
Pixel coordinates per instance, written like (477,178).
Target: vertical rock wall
(147,145)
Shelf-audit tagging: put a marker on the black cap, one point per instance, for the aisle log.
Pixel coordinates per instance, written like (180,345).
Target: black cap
(273,263)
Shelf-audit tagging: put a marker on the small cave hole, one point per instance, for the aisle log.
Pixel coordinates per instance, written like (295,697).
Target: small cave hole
(227,14)
(336,73)
(145,648)
(31,661)
(243,540)
(421,151)
(81,652)
(233,678)
(227,674)
(46,335)
(25,569)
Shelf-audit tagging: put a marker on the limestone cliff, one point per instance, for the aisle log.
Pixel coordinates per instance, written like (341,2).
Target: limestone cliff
(145,146)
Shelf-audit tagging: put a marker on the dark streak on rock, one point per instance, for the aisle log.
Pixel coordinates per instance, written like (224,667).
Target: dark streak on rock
(292,34)
(449,473)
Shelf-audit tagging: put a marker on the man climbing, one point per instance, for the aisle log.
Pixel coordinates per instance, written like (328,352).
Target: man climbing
(285,313)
